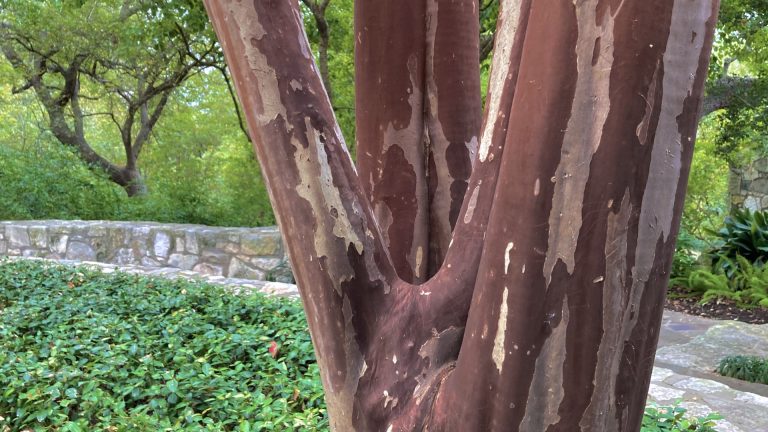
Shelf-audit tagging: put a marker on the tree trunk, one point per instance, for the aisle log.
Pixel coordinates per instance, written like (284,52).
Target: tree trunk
(131,180)
(545,311)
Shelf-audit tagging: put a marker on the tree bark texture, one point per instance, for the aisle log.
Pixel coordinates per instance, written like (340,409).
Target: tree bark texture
(508,277)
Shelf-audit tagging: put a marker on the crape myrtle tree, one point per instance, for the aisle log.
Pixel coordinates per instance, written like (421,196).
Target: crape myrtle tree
(501,274)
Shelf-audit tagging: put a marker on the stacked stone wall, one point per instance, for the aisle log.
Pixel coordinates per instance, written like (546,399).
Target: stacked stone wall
(242,253)
(748,187)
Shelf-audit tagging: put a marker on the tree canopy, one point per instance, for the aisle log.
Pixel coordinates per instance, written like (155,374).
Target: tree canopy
(119,61)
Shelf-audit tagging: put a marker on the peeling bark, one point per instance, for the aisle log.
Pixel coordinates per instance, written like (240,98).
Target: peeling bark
(411,58)
(535,303)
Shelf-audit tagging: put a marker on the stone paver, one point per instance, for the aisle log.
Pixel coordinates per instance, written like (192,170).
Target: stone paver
(689,349)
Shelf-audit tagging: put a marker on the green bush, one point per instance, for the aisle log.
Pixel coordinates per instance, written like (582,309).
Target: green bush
(86,351)
(53,184)
(687,251)
(747,284)
(673,419)
(752,369)
(744,233)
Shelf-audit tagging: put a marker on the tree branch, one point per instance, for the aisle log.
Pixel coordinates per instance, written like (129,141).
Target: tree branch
(235,102)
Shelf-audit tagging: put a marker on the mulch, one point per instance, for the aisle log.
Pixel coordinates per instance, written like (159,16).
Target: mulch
(716,309)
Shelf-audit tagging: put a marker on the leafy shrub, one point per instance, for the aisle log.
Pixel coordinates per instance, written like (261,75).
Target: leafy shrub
(673,419)
(85,351)
(744,233)
(53,184)
(747,284)
(687,251)
(752,369)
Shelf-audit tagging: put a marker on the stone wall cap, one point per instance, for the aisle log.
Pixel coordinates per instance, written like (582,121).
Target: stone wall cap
(136,224)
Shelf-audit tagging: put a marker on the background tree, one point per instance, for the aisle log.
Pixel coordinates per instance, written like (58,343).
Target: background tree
(738,86)
(125,67)
(545,311)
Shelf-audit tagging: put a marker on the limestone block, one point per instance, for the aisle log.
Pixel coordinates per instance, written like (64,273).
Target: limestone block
(752,203)
(190,240)
(38,236)
(17,236)
(97,231)
(228,246)
(260,244)
(149,262)
(239,269)
(140,231)
(179,244)
(58,243)
(208,269)
(266,263)
(761,165)
(3,247)
(661,393)
(124,256)
(760,186)
(80,251)
(139,247)
(184,262)
(162,244)
(215,256)
(207,239)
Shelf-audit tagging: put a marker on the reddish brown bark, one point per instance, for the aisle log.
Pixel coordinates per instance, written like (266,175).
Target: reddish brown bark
(561,249)
(418,121)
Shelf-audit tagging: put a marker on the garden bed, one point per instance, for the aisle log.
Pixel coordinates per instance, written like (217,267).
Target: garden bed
(679,300)
(82,350)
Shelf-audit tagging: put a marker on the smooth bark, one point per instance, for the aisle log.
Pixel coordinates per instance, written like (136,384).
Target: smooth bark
(545,311)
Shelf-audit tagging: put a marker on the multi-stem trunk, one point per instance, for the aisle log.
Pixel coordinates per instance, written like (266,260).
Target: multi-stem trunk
(527,295)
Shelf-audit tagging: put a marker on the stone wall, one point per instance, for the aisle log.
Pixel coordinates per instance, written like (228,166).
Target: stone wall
(748,187)
(242,253)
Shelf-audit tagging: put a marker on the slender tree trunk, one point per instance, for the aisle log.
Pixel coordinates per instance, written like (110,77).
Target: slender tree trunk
(544,314)
(132,181)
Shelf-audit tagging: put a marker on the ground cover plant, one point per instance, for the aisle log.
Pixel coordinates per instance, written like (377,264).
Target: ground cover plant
(86,351)
(674,419)
(746,368)
(81,350)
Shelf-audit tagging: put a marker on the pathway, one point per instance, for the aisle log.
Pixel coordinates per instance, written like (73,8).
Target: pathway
(689,350)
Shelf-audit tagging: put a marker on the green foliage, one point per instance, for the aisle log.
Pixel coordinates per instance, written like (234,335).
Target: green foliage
(706,199)
(86,351)
(687,253)
(201,170)
(673,419)
(741,46)
(53,184)
(744,234)
(746,284)
(341,61)
(81,350)
(746,368)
